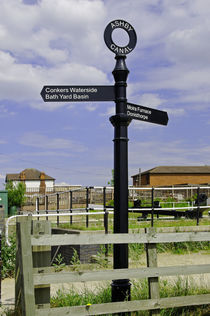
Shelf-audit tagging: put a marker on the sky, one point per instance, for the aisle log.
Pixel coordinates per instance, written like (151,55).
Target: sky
(60,42)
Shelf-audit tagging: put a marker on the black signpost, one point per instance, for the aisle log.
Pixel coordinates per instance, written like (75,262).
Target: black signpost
(124,114)
(77,93)
(142,113)
(120,121)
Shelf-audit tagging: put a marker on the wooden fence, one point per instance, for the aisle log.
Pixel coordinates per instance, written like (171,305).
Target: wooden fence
(34,276)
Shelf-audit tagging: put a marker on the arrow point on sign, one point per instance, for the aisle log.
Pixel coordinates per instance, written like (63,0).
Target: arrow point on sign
(42,92)
(167,118)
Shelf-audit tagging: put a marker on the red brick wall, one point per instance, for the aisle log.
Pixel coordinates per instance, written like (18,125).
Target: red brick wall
(172,179)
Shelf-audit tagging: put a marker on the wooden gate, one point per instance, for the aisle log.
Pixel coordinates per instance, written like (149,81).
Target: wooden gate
(33,277)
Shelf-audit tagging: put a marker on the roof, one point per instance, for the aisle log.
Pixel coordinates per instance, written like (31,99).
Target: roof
(29,174)
(177,169)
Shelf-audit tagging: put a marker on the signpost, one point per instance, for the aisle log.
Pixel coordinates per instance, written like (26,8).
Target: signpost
(142,113)
(77,93)
(124,114)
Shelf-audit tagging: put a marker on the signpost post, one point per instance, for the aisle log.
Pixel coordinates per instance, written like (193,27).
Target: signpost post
(124,114)
(120,121)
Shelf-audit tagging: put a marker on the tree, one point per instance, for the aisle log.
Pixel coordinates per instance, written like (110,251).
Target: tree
(15,194)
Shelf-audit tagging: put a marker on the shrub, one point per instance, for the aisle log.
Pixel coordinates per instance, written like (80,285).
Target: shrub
(8,258)
(15,194)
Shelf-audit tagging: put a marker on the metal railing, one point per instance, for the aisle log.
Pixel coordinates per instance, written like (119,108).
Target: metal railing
(79,202)
(83,196)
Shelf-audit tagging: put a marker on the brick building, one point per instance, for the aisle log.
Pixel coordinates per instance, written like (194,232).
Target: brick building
(173,175)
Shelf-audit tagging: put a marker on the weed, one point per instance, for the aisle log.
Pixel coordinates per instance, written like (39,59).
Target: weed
(73,298)
(75,261)
(59,265)
(135,251)
(101,258)
(8,254)
(11,312)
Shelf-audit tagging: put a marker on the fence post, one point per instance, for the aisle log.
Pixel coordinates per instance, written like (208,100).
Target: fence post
(47,205)
(57,208)
(70,206)
(37,206)
(153,283)
(87,198)
(24,286)
(41,258)
(1,233)
(198,204)
(152,198)
(105,219)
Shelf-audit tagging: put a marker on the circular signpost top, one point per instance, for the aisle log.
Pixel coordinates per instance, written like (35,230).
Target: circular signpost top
(119,50)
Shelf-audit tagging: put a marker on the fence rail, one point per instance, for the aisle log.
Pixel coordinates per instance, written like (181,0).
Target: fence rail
(90,238)
(30,274)
(143,305)
(42,276)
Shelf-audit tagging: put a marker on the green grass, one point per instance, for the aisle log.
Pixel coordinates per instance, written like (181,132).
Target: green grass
(134,224)
(136,250)
(139,291)
(74,298)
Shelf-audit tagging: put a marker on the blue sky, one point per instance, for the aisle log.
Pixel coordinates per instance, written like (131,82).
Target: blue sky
(60,42)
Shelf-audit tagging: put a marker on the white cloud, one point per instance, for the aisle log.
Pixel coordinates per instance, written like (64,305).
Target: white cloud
(48,22)
(63,44)
(149,154)
(109,111)
(151,100)
(175,112)
(45,153)
(60,42)
(2,141)
(136,124)
(41,141)
(91,107)
(5,112)
(42,44)
(24,82)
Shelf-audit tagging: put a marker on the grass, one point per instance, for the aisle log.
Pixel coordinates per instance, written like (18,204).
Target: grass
(133,223)
(181,248)
(139,291)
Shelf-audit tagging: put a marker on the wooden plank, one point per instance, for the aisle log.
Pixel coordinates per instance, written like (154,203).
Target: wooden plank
(17,269)
(26,267)
(153,282)
(129,306)
(86,239)
(141,273)
(41,258)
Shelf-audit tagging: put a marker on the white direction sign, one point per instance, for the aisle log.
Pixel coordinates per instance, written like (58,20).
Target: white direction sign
(142,113)
(77,93)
